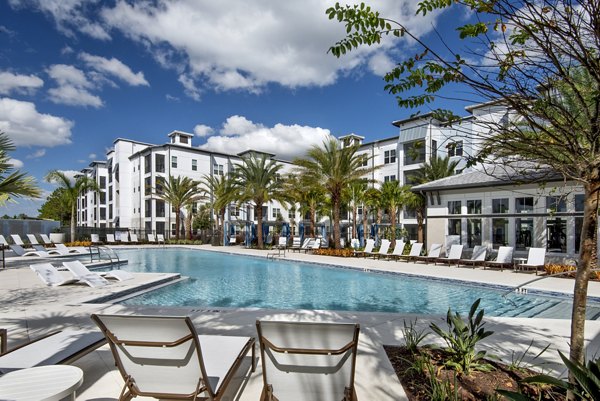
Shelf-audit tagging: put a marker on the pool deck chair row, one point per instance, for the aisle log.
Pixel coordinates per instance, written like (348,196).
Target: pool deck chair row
(80,274)
(164,357)
(60,347)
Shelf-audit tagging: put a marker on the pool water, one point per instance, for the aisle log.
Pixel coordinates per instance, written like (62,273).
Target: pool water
(226,280)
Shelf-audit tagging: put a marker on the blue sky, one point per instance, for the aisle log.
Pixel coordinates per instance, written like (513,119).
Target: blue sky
(76,74)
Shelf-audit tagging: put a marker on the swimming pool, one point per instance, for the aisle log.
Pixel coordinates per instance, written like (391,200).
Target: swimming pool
(226,280)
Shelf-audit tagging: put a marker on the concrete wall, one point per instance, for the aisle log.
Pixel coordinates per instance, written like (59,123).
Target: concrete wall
(23,227)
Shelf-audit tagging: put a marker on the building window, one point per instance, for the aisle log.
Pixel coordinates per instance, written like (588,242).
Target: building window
(474,206)
(147,163)
(411,177)
(556,204)
(523,233)
(389,178)
(102,213)
(160,208)
(579,202)
(194,165)
(473,232)
(159,161)
(455,149)
(218,169)
(183,139)
(365,159)
(160,227)
(524,205)
(389,156)
(454,227)
(578,228)
(276,212)
(110,194)
(500,205)
(499,232)
(148,186)
(291,214)
(454,207)
(173,161)
(102,198)
(102,182)
(160,185)
(414,153)
(148,207)
(556,237)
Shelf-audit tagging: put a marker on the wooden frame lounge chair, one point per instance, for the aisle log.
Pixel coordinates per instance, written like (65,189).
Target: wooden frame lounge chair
(432,255)
(504,258)
(398,250)
(383,250)
(308,361)
(415,251)
(296,243)
(56,348)
(314,245)
(281,243)
(304,245)
(453,256)
(368,248)
(536,258)
(164,357)
(477,257)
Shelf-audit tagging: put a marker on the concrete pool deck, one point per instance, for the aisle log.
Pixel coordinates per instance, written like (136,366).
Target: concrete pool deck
(29,309)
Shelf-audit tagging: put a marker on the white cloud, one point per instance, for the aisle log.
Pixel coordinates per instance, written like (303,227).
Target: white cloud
(189,87)
(172,98)
(92,156)
(381,63)
(285,141)
(37,154)
(202,130)
(16,163)
(247,45)
(73,87)
(67,50)
(69,15)
(18,83)
(114,67)
(26,126)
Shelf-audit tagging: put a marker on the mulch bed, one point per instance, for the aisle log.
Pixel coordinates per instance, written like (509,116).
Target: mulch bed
(476,386)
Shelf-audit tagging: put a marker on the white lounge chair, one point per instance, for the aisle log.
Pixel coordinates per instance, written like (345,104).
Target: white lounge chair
(308,361)
(32,239)
(354,243)
(304,245)
(296,243)
(50,275)
(281,243)
(398,250)
(233,240)
(95,238)
(3,241)
(134,238)
(151,238)
(62,249)
(80,270)
(477,257)
(160,238)
(122,237)
(18,240)
(415,251)
(383,249)
(453,256)
(19,251)
(110,238)
(59,347)
(46,239)
(536,258)
(164,357)
(368,248)
(504,258)
(432,255)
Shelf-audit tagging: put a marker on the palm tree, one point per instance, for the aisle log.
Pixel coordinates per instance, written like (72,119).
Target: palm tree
(310,197)
(13,183)
(179,192)
(415,201)
(222,192)
(393,196)
(372,203)
(356,196)
(72,188)
(334,168)
(257,180)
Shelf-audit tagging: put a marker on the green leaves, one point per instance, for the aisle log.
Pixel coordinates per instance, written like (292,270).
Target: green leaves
(429,5)
(472,30)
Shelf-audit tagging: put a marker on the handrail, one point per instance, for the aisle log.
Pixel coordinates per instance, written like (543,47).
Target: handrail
(107,251)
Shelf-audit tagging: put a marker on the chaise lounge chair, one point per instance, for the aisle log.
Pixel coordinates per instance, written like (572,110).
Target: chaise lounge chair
(60,347)
(477,257)
(453,256)
(308,361)
(383,250)
(46,239)
(304,245)
(134,238)
(50,275)
(432,255)
(415,251)
(164,357)
(151,238)
(536,258)
(160,238)
(80,271)
(19,251)
(504,258)
(398,250)
(18,240)
(32,239)
(368,248)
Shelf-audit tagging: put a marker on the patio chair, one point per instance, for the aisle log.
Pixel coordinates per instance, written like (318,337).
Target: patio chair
(62,249)
(383,250)
(122,237)
(453,256)
(95,238)
(296,242)
(151,238)
(303,246)
(504,258)
(50,275)
(308,361)
(79,270)
(18,240)
(160,238)
(432,255)
(133,238)
(281,243)
(56,348)
(19,251)
(46,239)
(415,251)
(110,239)
(233,240)
(164,357)
(354,243)
(477,257)
(32,239)
(3,241)
(398,250)
(368,248)
(535,259)
(313,246)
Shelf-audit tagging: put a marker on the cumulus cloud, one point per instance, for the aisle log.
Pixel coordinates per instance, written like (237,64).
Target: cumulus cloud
(37,154)
(247,45)
(189,87)
(73,87)
(26,126)
(202,130)
(285,141)
(18,83)
(115,68)
(70,16)
(16,163)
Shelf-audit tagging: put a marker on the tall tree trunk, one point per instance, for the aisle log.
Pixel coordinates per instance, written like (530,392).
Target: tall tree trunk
(73,222)
(354,213)
(587,261)
(259,232)
(420,233)
(393,212)
(221,227)
(336,223)
(177,223)
(313,218)
(365,221)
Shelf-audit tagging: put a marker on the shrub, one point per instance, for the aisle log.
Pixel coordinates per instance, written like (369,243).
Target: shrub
(462,337)
(412,336)
(554,268)
(79,243)
(346,252)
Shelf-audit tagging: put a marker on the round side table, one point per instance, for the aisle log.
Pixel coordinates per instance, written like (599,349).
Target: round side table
(42,383)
